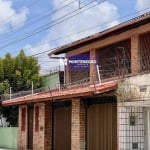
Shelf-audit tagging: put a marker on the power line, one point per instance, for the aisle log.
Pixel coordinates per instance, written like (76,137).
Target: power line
(35,32)
(56,21)
(39,18)
(68,35)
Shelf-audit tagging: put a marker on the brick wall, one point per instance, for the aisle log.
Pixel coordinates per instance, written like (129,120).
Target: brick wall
(79,125)
(83,126)
(22,132)
(135,54)
(42,137)
(93,72)
(75,129)
(42,126)
(48,126)
(38,134)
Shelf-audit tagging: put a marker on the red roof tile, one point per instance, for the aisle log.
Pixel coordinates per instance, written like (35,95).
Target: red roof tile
(63,94)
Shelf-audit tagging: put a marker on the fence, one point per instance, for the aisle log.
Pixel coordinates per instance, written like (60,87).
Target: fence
(105,71)
(8,137)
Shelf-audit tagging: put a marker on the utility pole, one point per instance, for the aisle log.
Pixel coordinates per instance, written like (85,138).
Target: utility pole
(79,4)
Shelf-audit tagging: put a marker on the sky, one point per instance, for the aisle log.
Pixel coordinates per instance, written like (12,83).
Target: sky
(38,26)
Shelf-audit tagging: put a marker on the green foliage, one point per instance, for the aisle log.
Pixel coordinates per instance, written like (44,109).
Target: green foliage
(18,72)
(4,87)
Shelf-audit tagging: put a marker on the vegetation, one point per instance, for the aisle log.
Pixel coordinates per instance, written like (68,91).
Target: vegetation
(18,73)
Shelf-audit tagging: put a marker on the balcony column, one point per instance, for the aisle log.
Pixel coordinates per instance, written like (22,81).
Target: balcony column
(66,74)
(93,72)
(135,54)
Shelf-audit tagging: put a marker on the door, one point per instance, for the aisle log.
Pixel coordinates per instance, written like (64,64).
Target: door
(102,126)
(62,128)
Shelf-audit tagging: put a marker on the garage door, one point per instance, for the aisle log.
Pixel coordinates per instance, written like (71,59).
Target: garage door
(102,127)
(62,126)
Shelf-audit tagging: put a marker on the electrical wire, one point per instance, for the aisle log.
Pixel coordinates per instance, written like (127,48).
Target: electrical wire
(35,32)
(34,20)
(81,31)
(68,35)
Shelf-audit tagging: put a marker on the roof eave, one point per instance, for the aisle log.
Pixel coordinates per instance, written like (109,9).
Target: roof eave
(133,22)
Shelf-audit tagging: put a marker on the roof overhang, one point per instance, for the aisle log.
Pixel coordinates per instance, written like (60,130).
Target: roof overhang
(63,94)
(128,25)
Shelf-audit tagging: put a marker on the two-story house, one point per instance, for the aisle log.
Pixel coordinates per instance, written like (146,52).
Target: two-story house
(104,103)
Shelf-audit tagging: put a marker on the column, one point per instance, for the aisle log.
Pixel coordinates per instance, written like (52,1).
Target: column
(135,54)
(75,122)
(38,128)
(23,129)
(48,126)
(83,126)
(93,72)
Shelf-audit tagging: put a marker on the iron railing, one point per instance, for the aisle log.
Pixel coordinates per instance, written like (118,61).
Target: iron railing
(106,71)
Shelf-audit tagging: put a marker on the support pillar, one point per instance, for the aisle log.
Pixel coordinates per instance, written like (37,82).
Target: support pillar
(23,128)
(135,54)
(83,126)
(75,122)
(66,71)
(42,130)
(48,127)
(93,72)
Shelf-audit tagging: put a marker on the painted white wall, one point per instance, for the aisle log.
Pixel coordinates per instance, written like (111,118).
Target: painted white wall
(130,88)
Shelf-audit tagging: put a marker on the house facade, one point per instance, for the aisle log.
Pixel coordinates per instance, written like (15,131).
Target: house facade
(104,103)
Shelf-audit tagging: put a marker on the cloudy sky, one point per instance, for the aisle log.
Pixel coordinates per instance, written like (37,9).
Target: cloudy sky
(38,25)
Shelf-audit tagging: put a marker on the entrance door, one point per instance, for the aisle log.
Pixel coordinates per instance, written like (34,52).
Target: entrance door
(102,126)
(62,127)
(30,127)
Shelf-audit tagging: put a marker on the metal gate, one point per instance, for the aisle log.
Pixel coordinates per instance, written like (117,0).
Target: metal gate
(62,126)
(102,126)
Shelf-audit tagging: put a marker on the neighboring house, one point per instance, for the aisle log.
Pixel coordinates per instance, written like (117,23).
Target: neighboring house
(3,122)
(54,79)
(105,104)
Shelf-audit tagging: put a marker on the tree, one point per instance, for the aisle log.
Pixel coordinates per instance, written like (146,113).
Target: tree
(27,71)
(18,72)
